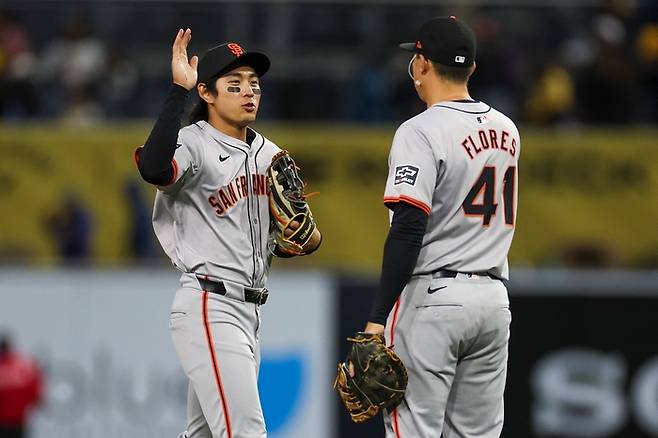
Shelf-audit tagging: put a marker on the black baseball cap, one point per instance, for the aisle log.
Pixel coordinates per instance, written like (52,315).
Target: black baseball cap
(225,57)
(445,40)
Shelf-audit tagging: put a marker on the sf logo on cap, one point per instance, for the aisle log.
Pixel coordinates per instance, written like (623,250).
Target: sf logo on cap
(235,49)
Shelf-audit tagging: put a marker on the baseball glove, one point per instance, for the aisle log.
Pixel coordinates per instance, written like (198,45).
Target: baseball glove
(288,203)
(379,380)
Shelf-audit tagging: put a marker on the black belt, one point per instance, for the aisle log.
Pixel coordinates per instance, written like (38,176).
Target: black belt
(257,296)
(445,273)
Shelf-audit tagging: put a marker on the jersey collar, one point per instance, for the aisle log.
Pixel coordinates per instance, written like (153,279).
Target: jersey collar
(223,138)
(473,107)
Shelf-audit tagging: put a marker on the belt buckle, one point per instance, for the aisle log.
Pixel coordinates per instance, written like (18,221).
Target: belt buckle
(261,295)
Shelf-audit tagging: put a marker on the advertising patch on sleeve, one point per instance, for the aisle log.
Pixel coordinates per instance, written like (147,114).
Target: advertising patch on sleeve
(406,174)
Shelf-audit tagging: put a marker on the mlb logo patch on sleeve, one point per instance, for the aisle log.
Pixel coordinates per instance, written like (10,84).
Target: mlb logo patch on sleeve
(406,174)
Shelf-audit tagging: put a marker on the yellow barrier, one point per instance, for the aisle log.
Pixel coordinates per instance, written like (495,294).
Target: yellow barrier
(584,188)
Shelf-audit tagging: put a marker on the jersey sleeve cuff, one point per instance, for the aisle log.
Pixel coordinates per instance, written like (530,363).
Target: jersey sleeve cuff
(174,168)
(174,175)
(390,200)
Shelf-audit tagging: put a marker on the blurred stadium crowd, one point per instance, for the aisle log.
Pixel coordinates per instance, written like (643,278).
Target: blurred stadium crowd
(555,63)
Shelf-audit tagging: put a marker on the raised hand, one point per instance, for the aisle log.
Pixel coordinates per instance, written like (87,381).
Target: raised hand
(184,72)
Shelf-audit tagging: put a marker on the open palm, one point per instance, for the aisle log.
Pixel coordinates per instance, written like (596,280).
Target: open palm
(184,72)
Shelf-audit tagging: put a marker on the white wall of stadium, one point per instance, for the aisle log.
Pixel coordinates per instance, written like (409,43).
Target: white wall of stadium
(102,338)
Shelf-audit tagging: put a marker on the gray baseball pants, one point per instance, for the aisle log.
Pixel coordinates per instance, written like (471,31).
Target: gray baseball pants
(216,340)
(452,334)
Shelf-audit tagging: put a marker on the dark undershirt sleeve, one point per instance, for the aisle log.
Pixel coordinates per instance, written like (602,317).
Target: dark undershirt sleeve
(401,250)
(154,160)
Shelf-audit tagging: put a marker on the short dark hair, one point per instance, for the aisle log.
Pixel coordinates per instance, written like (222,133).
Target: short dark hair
(458,75)
(200,109)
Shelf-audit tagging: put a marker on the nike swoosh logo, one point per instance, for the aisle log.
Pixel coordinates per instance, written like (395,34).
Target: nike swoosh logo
(178,145)
(222,159)
(431,291)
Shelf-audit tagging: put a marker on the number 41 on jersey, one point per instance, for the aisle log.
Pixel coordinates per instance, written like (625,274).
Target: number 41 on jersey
(485,188)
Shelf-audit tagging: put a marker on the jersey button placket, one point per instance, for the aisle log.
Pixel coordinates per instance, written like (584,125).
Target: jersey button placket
(253,201)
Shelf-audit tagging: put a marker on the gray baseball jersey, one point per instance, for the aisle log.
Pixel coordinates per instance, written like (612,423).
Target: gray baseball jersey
(457,161)
(214,219)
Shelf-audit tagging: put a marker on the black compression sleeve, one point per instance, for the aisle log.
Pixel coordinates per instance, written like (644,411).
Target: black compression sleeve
(154,159)
(401,250)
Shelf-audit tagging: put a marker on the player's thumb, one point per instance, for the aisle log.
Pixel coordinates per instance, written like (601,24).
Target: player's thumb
(194,62)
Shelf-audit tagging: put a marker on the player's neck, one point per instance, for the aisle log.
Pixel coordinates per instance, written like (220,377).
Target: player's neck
(223,126)
(446,91)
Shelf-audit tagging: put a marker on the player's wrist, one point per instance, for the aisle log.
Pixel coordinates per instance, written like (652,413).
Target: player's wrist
(181,87)
(374,328)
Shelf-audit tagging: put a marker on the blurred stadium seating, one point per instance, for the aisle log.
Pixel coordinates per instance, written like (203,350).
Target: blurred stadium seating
(579,62)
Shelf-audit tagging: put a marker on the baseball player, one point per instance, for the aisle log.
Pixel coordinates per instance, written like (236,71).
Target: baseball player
(212,219)
(451,191)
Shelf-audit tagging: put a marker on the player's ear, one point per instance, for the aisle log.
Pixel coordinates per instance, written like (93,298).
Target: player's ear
(205,93)
(424,64)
